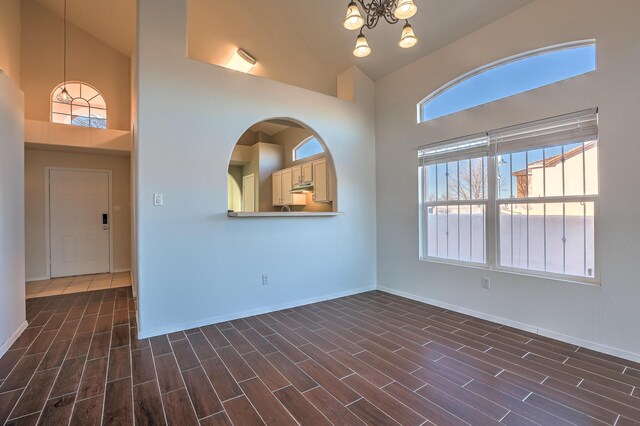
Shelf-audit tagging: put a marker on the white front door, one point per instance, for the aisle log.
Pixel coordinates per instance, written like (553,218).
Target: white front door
(248,193)
(78,210)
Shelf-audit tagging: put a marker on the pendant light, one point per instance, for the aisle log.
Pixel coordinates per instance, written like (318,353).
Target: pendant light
(405,9)
(408,38)
(354,19)
(64,96)
(362,47)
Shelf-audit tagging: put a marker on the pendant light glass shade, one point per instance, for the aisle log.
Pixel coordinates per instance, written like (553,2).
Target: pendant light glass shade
(64,96)
(354,19)
(405,9)
(408,38)
(362,47)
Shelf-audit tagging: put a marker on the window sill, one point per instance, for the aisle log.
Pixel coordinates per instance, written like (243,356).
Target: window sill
(566,279)
(282,214)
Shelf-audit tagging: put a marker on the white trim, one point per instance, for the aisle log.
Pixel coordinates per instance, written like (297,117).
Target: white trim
(42,278)
(587,344)
(115,271)
(6,345)
(47,212)
(142,334)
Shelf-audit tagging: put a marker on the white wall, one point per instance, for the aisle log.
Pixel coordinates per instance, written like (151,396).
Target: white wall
(12,306)
(10,38)
(36,161)
(603,317)
(198,266)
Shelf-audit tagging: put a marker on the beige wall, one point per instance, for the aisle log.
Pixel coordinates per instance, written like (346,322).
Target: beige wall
(10,39)
(35,163)
(88,60)
(217,28)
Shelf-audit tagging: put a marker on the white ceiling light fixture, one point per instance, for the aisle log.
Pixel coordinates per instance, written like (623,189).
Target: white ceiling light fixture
(392,11)
(64,95)
(241,61)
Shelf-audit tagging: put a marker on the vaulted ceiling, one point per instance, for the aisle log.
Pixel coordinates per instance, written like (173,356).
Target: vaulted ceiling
(300,42)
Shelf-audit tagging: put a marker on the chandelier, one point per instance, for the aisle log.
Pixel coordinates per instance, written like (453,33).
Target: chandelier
(392,11)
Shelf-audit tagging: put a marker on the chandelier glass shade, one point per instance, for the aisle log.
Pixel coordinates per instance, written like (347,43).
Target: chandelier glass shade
(367,13)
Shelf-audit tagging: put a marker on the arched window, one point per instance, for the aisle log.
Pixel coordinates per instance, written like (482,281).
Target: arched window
(307,148)
(87,108)
(510,76)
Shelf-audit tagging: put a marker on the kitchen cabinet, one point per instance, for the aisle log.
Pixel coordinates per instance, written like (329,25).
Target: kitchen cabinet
(321,182)
(282,182)
(302,173)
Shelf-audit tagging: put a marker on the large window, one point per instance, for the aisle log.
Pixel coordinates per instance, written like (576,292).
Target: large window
(307,148)
(86,109)
(510,76)
(534,185)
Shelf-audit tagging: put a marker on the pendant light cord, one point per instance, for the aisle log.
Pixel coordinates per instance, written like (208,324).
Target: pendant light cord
(64,65)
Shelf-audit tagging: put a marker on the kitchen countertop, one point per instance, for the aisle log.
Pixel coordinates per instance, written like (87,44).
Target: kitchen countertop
(282,214)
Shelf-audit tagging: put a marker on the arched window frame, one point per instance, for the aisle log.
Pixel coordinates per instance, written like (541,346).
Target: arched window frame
(301,144)
(95,103)
(497,64)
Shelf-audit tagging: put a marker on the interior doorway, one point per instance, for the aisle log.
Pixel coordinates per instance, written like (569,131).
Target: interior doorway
(79,219)
(249,193)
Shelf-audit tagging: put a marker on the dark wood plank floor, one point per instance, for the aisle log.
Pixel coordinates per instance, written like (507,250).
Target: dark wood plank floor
(372,358)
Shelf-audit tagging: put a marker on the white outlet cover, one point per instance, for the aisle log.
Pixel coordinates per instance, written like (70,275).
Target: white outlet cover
(158,199)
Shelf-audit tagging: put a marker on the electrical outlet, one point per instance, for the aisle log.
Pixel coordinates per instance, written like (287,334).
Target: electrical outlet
(158,200)
(265,279)
(486,283)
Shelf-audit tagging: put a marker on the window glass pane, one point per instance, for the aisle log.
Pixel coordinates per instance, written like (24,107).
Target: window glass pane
(98,123)
(464,168)
(574,169)
(535,183)
(61,118)
(478,228)
(98,102)
(478,178)
(464,232)
(81,121)
(591,168)
(452,180)
(510,78)
(536,248)
(590,239)
(553,173)
(504,176)
(432,231)
(452,233)
(431,183)
(506,224)
(575,239)
(519,175)
(442,231)
(441,175)
(60,108)
(82,111)
(100,113)
(516,235)
(308,148)
(554,233)
(88,92)
(73,89)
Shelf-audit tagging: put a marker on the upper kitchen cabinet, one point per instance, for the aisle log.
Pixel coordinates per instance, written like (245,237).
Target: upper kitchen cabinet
(291,166)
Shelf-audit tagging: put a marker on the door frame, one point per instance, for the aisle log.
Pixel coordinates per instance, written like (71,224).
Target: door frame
(253,176)
(47,213)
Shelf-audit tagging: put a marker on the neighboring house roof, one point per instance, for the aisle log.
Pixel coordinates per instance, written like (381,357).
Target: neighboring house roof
(555,160)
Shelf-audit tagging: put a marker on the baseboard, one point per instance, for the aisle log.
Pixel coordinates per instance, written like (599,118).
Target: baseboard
(6,345)
(37,279)
(520,326)
(142,334)
(115,271)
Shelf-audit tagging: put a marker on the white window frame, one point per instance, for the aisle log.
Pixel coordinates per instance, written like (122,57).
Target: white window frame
(492,206)
(301,144)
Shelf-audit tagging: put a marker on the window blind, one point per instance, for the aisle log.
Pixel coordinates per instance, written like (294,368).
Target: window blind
(565,129)
(454,149)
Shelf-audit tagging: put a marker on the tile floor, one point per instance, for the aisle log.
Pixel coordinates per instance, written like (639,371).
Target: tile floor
(372,358)
(77,284)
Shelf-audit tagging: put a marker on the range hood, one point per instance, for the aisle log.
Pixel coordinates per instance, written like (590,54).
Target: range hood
(302,187)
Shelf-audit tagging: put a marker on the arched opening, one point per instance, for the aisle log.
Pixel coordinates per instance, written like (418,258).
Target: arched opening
(286,166)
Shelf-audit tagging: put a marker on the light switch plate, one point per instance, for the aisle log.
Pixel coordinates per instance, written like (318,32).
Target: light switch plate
(158,199)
